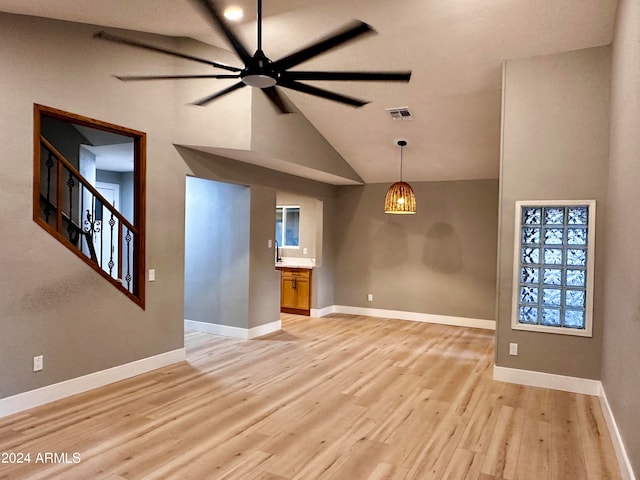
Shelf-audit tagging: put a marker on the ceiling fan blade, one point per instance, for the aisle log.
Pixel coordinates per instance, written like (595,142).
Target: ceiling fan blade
(339,37)
(319,92)
(210,98)
(349,76)
(130,78)
(276,99)
(134,43)
(218,21)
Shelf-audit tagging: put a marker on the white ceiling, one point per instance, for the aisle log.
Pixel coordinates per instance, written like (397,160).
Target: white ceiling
(455,49)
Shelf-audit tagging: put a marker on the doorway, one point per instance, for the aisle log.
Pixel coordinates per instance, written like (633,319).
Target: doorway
(217,242)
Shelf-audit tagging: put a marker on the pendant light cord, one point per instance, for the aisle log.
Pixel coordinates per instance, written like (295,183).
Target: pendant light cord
(401,144)
(401,162)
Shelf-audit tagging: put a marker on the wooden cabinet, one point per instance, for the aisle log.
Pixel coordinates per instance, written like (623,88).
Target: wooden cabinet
(295,291)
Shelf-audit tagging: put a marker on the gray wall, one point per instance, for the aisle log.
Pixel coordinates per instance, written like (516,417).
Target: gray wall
(230,115)
(621,355)
(323,282)
(264,281)
(267,183)
(555,147)
(77,320)
(216,273)
(293,139)
(51,303)
(64,137)
(308,224)
(439,261)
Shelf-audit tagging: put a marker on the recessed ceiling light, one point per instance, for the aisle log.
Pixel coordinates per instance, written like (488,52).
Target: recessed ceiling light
(233,13)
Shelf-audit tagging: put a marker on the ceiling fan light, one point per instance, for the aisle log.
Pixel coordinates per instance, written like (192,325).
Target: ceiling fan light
(400,199)
(259,81)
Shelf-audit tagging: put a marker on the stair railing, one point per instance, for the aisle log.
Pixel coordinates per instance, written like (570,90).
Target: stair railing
(80,217)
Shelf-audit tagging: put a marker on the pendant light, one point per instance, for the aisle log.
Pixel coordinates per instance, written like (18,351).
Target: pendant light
(400,198)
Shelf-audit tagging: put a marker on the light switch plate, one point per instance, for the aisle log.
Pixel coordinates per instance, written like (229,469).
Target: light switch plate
(152,275)
(38,363)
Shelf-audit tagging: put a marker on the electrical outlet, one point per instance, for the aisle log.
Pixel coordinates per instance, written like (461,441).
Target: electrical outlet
(304,251)
(38,363)
(370,297)
(513,349)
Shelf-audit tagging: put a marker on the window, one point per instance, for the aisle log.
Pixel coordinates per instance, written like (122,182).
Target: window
(553,267)
(89,179)
(288,226)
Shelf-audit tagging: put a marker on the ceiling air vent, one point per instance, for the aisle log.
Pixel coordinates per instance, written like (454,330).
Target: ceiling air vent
(400,113)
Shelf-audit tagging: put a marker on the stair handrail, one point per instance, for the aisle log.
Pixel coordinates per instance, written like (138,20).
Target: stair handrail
(87,185)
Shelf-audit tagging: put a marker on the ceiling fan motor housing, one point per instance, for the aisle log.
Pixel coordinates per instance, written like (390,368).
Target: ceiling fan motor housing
(259,72)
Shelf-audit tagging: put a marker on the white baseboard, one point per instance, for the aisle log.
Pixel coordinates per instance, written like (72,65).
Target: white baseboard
(584,386)
(621,453)
(233,332)
(321,312)
(402,315)
(34,398)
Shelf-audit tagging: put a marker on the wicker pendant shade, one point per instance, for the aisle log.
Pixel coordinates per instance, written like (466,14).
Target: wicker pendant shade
(400,199)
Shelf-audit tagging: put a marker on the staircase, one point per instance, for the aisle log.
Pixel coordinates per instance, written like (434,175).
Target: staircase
(70,208)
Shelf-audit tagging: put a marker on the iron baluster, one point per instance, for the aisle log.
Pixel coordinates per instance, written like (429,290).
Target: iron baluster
(99,212)
(79,228)
(111,264)
(91,227)
(70,229)
(47,207)
(59,191)
(127,277)
(119,236)
(80,210)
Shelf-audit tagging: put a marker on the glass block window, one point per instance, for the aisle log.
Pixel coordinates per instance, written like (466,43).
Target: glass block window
(553,266)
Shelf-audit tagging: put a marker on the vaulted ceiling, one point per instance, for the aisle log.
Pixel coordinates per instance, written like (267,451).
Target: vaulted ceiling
(455,49)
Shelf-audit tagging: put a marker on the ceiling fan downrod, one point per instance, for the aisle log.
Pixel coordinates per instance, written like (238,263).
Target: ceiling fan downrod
(259,72)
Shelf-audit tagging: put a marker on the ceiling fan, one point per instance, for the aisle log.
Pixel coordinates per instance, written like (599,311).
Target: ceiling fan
(260,72)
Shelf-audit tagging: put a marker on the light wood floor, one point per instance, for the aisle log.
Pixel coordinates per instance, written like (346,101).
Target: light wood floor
(342,397)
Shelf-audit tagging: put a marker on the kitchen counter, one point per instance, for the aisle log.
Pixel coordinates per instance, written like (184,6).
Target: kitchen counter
(296,262)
